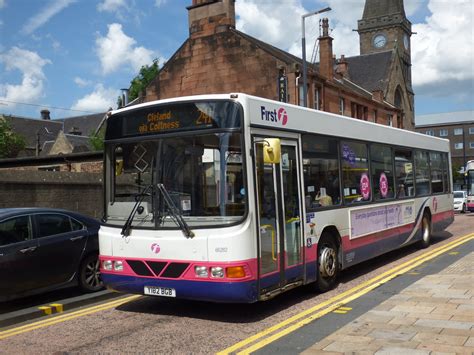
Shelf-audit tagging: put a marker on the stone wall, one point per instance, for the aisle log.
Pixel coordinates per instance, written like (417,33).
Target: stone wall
(80,192)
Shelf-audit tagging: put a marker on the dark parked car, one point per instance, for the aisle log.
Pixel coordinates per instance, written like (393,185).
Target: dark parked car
(43,249)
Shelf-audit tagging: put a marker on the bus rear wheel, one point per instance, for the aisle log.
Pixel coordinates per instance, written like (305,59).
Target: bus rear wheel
(425,231)
(328,263)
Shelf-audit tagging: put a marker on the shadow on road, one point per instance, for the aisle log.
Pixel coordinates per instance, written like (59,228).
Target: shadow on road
(256,312)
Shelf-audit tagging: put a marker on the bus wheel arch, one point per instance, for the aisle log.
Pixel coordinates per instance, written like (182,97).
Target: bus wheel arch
(329,259)
(426,229)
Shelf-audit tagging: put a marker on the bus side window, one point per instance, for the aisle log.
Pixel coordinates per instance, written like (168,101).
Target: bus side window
(404,173)
(321,172)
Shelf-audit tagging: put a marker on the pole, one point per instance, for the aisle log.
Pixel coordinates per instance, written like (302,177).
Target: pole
(303,44)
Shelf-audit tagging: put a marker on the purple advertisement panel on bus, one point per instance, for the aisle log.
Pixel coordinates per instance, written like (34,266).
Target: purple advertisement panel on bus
(375,219)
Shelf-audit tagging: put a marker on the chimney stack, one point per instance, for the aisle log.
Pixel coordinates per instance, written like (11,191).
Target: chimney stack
(207,17)
(45,115)
(342,67)
(326,61)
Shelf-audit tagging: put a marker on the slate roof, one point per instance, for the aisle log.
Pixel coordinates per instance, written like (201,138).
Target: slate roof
(85,124)
(29,128)
(370,71)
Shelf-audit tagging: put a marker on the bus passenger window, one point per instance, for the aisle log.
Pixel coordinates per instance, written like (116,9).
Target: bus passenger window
(422,173)
(382,171)
(355,172)
(321,172)
(404,173)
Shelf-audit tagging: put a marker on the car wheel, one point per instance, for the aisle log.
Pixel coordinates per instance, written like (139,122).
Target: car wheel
(328,263)
(425,231)
(89,274)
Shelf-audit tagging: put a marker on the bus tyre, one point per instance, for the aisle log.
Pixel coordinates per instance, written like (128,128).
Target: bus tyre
(89,274)
(328,263)
(425,231)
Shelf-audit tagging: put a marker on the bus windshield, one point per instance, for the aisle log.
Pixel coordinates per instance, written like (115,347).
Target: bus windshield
(202,173)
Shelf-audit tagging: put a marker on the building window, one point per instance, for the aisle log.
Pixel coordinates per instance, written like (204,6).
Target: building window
(458,131)
(341,106)
(443,132)
(390,120)
(471,145)
(458,146)
(471,130)
(317,98)
(429,132)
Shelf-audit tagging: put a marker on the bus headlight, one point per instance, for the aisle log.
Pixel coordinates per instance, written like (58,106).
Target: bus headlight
(107,265)
(118,265)
(201,271)
(217,272)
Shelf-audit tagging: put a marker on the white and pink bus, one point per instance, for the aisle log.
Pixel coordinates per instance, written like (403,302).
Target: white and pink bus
(234,198)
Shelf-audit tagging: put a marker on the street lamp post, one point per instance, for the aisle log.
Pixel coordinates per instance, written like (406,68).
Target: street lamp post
(303,43)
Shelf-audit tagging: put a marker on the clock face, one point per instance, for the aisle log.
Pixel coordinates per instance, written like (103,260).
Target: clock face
(406,43)
(379,41)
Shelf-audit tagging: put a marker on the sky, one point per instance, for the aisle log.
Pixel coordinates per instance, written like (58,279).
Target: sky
(73,56)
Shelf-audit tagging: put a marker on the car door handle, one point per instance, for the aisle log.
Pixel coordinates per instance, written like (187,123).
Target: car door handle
(76,238)
(27,250)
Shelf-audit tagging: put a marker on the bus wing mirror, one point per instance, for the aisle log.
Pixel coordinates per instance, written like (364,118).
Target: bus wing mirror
(271,151)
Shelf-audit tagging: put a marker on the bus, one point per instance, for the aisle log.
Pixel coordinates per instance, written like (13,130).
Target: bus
(235,198)
(469,173)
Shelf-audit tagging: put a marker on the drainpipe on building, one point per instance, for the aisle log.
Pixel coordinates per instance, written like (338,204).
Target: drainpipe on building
(297,89)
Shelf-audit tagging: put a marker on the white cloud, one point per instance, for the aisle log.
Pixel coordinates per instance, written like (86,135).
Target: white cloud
(2,3)
(116,50)
(442,49)
(270,23)
(111,5)
(159,3)
(30,64)
(81,82)
(100,100)
(45,15)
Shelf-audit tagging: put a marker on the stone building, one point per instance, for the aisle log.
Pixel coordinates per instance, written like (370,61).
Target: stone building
(458,127)
(217,58)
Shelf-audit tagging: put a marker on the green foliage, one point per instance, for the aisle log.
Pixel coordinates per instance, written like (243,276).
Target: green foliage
(96,140)
(11,143)
(140,82)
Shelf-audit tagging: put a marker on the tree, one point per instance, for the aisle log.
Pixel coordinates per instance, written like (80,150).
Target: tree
(11,143)
(140,82)
(96,139)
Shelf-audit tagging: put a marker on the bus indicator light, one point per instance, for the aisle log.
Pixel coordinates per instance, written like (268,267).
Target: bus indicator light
(235,272)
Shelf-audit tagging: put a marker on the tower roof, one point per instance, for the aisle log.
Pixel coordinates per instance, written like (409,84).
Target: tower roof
(379,8)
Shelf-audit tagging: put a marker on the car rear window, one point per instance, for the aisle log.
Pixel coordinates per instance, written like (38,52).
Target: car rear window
(51,224)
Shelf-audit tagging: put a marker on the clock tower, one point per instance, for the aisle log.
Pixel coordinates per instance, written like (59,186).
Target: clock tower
(385,27)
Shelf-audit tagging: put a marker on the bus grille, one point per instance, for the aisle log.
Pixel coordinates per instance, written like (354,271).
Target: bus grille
(139,267)
(171,270)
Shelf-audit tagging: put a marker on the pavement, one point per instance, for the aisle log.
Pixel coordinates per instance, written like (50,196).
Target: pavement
(428,310)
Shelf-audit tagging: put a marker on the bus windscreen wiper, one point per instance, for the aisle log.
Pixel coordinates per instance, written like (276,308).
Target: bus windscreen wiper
(139,199)
(175,212)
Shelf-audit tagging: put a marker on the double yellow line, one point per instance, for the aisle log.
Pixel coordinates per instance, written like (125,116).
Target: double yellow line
(64,317)
(289,325)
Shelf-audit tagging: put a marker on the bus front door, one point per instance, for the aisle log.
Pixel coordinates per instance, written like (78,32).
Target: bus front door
(279,219)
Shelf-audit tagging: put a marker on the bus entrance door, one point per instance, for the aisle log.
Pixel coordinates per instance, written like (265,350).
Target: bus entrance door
(279,219)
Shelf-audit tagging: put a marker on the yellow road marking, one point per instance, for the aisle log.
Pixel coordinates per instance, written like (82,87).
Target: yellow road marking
(46,310)
(454,253)
(365,287)
(58,307)
(345,308)
(413,273)
(64,317)
(340,312)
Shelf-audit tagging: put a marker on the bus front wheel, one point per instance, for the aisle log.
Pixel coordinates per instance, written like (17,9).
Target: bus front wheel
(328,263)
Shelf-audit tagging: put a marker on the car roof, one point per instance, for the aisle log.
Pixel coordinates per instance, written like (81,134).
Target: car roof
(10,212)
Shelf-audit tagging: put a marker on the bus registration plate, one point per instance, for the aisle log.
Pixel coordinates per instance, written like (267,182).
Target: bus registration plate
(160,291)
